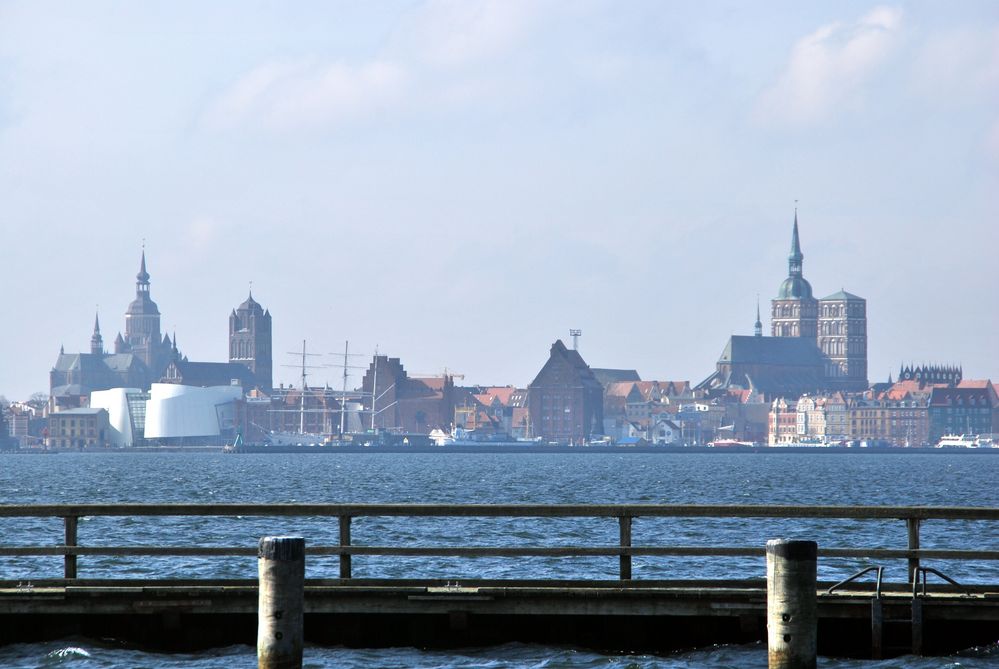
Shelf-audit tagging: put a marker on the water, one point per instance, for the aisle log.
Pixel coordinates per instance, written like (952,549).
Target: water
(813,479)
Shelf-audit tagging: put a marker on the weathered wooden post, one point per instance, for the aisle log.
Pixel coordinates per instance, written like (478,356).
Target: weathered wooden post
(791,605)
(69,561)
(281,570)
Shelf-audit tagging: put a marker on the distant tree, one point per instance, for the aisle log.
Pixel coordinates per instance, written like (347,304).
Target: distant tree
(38,400)
(4,403)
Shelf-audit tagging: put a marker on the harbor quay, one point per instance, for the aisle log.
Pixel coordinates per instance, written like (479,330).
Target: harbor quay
(857,612)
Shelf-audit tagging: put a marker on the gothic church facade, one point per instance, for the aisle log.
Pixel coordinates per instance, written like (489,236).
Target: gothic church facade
(143,356)
(816,345)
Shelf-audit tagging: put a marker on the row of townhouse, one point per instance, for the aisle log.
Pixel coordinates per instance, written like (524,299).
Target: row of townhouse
(902,415)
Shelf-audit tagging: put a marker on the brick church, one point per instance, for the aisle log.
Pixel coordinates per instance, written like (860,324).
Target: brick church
(143,356)
(816,345)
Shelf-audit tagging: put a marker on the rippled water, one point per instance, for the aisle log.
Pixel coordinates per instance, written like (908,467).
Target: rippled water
(813,479)
(85,654)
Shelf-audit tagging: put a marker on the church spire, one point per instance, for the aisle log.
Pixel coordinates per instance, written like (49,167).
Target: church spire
(796,256)
(758,326)
(96,341)
(142,278)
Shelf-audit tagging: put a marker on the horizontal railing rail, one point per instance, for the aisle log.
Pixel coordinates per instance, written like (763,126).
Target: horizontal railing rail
(508,510)
(624,550)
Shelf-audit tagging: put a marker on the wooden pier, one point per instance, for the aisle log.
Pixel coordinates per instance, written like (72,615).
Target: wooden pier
(925,614)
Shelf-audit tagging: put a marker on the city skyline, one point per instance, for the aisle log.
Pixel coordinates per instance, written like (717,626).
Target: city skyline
(461,198)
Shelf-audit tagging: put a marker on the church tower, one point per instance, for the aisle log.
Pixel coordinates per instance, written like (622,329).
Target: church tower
(843,339)
(250,340)
(794,312)
(142,325)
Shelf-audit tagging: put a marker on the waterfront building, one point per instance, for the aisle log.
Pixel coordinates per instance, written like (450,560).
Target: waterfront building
(78,428)
(969,409)
(409,404)
(783,422)
(126,409)
(503,407)
(565,399)
(177,414)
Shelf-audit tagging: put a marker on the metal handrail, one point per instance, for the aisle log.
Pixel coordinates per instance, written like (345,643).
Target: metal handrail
(625,513)
(508,510)
(851,579)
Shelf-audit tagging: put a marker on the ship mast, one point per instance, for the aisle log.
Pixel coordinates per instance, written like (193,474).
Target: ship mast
(374,389)
(347,355)
(305,388)
(301,415)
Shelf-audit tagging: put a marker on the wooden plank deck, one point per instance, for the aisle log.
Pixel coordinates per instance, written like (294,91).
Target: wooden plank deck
(659,616)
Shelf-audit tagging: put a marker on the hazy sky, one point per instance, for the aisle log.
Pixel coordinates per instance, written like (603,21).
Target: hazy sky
(459,183)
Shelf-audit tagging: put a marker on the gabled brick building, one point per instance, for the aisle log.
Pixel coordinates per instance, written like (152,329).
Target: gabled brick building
(565,400)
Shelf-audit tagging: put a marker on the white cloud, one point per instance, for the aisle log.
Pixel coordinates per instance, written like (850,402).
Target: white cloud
(456,33)
(445,52)
(828,69)
(286,95)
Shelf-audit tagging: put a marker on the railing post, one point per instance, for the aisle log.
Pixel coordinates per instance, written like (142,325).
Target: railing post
(281,602)
(912,525)
(344,541)
(69,561)
(625,532)
(791,604)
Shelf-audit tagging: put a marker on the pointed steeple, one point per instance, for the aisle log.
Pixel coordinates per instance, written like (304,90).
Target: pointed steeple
(758,326)
(143,275)
(96,341)
(795,258)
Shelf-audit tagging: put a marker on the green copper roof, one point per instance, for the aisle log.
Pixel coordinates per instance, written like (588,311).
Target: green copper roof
(842,295)
(795,288)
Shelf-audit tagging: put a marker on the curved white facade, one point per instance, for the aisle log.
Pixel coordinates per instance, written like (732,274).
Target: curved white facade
(176,411)
(119,415)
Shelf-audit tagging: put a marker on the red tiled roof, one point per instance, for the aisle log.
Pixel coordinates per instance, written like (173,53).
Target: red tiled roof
(501,393)
(619,389)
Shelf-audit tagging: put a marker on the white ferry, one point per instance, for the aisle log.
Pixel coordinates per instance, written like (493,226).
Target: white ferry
(966,441)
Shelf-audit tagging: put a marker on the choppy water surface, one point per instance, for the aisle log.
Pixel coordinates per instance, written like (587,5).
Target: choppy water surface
(812,479)
(86,654)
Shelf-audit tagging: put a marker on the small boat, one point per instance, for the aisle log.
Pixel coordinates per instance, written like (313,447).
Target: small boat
(958,441)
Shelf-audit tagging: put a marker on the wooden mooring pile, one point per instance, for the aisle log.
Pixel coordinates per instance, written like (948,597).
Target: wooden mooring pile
(862,616)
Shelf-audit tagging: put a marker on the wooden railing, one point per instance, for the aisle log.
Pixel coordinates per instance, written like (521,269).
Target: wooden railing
(624,514)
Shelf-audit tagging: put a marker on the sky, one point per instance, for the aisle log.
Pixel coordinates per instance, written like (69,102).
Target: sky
(459,183)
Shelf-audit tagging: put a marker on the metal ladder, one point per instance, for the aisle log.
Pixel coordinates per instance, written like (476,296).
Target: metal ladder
(915,619)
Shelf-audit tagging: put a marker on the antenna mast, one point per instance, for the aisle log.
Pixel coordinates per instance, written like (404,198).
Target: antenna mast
(575,334)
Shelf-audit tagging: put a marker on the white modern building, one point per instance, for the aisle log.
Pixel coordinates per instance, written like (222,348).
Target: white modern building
(177,412)
(126,409)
